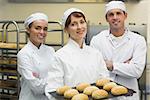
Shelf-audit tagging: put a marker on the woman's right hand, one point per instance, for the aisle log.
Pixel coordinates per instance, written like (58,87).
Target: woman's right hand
(35,74)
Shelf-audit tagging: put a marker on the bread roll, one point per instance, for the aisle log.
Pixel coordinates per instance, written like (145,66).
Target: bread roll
(80,96)
(99,94)
(61,90)
(10,45)
(70,93)
(102,82)
(80,87)
(109,86)
(119,90)
(90,89)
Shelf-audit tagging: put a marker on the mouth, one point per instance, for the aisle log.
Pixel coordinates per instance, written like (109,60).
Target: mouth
(41,36)
(80,32)
(116,22)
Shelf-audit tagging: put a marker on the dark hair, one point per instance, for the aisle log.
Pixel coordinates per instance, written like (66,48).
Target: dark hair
(116,0)
(29,26)
(75,14)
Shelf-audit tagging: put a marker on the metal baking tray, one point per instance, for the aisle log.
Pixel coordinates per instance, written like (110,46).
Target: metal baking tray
(61,97)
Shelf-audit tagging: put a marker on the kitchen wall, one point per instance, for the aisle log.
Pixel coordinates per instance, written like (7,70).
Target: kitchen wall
(94,11)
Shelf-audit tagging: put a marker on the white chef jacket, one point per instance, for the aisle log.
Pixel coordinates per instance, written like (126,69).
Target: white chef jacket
(78,65)
(132,46)
(31,59)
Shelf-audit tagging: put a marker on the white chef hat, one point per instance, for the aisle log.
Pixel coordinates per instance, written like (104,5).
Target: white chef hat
(35,16)
(69,12)
(115,5)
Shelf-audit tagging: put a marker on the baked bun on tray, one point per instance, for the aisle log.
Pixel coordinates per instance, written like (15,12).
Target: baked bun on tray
(119,90)
(80,96)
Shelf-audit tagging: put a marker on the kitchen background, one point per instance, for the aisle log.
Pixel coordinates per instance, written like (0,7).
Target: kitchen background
(138,17)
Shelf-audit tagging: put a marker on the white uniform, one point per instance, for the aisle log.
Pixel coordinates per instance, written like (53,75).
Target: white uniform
(78,65)
(31,59)
(130,46)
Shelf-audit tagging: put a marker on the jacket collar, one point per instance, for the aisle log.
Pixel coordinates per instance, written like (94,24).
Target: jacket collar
(75,44)
(125,38)
(33,46)
(107,34)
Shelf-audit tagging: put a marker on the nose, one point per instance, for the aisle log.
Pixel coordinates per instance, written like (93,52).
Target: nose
(79,25)
(115,16)
(41,31)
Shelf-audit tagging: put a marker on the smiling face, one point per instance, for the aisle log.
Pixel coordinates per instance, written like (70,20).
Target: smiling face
(76,27)
(38,31)
(116,19)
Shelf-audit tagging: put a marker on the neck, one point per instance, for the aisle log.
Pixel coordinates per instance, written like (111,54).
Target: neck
(36,44)
(117,32)
(80,42)
(39,46)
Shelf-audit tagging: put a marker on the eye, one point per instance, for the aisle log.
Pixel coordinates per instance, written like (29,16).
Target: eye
(82,21)
(45,29)
(73,24)
(110,14)
(118,13)
(38,28)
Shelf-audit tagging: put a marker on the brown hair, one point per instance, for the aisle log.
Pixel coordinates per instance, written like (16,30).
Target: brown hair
(75,14)
(29,26)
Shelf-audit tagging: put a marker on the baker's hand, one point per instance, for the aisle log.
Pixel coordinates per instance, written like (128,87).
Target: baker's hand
(35,74)
(109,65)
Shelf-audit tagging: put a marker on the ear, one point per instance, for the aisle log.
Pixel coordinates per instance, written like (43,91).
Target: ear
(27,29)
(28,32)
(65,30)
(126,15)
(106,17)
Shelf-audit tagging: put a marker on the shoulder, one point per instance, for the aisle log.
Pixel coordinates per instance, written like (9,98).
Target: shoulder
(100,35)
(135,36)
(93,50)
(137,39)
(49,48)
(63,50)
(24,51)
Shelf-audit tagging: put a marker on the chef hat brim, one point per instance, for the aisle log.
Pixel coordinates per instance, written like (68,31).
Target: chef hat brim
(115,5)
(69,12)
(33,17)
